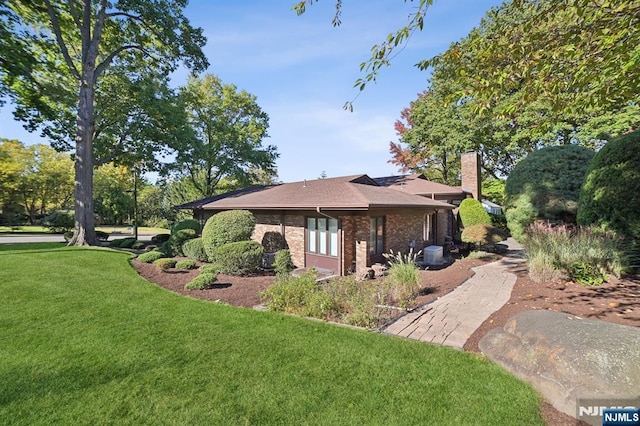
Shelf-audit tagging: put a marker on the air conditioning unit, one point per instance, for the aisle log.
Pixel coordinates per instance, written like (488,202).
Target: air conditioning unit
(433,255)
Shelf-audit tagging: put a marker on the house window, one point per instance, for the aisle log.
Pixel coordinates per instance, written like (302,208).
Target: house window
(322,236)
(376,235)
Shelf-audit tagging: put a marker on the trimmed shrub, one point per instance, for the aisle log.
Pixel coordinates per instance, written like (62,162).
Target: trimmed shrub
(187,224)
(160,238)
(186,264)
(194,249)
(138,245)
(59,221)
(127,243)
(471,213)
(166,248)
(609,196)
(179,238)
(239,258)
(546,185)
(201,282)
(482,234)
(150,247)
(283,264)
(102,236)
(210,269)
(122,242)
(165,263)
(227,227)
(150,256)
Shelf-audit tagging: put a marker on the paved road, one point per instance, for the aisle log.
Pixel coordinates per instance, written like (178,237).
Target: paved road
(451,319)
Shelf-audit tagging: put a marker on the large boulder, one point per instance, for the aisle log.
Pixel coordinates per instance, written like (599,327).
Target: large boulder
(567,357)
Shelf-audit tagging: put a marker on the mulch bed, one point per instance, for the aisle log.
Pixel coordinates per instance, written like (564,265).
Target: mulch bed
(617,301)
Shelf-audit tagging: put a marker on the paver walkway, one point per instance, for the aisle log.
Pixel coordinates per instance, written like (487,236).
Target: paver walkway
(452,318)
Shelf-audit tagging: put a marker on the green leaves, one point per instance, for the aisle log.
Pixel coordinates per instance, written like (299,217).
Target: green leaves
(227,130)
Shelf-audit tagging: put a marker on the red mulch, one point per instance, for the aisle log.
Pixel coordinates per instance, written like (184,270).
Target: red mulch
(617,301)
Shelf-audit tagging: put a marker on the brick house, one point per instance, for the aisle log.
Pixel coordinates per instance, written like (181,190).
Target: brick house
(341,224)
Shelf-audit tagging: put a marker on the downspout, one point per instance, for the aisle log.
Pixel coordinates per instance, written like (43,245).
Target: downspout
(324,214)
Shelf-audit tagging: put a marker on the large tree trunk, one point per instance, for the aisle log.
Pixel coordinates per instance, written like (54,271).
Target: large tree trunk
(85,233)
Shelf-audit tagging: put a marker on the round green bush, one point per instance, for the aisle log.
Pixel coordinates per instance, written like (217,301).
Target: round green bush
(202,281)
(165,263)
(472,213)
(102,236)
(546,185)
(210,269)
(138,245)
(186,264)
(239,258)
(122,242)
(194,249)
(187,224)
(609,196)
(227,227)
(179,238)
(150,256)
(482,234)
(160,238)
(283,264)
(59,221)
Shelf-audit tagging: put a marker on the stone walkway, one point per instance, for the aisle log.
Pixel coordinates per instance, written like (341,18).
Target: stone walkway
(452,318)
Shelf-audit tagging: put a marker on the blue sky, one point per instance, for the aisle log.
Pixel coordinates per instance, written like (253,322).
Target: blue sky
(302,71)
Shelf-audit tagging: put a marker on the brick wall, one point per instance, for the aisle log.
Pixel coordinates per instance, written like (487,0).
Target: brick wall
(471,178)
(400,230)
(294,236)
(348,248)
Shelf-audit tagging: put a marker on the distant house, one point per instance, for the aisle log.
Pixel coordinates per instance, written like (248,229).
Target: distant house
(341,224)
(492,208)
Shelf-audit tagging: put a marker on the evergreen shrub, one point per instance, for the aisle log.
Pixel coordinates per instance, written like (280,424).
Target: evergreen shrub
(202,281)
(187,224)
(472,212)
(227,227)
(194,249)
(239,258)
(150,256)
(546,185)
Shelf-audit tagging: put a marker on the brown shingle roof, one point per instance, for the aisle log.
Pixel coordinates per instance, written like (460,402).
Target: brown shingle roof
(419,185)
(357,192)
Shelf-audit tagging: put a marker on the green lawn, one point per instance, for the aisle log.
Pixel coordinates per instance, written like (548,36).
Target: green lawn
(84,340)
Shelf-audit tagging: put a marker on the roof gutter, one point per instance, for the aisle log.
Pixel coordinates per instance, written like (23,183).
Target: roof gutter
(324,214)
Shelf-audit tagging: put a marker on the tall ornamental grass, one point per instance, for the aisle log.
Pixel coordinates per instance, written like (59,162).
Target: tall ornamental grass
(585,254)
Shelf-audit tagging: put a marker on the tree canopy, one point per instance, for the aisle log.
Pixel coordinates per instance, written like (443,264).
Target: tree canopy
(228,129)
(61,54)
(461,111)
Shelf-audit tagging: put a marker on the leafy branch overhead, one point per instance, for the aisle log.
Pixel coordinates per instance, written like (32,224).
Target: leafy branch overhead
(383,53)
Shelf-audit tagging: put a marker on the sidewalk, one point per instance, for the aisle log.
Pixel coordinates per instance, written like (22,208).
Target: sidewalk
(452,318)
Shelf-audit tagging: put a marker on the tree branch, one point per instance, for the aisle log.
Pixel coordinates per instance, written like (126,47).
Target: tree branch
(97,31)
(63,47)
(107,61)
(74,13)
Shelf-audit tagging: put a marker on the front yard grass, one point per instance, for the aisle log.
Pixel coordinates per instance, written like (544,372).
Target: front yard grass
(84,340)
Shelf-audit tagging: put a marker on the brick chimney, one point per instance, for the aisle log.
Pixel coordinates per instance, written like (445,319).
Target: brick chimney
(471,178)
